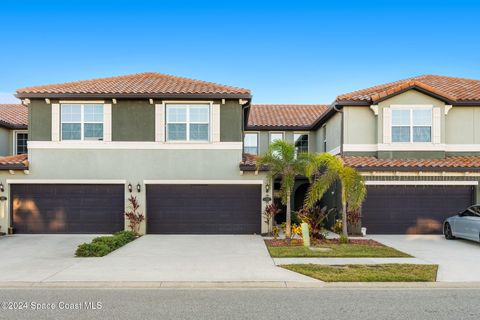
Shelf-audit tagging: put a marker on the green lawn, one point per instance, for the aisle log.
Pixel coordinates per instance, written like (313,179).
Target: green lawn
(338,250)
(368,273)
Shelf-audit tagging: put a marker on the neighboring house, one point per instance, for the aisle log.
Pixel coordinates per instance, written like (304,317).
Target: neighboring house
(174,143)
(416,141)
(13,129)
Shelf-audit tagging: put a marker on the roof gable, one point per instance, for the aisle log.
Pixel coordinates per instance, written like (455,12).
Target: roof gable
(149,84)
(449,89)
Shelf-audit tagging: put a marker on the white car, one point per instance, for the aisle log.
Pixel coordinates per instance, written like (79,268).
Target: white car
(465,225)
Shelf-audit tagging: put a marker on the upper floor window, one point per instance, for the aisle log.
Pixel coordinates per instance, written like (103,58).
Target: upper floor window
(188,122)
(250,143)
(82,121)
(301,142)
(412,125)
(21,139)
(274,136)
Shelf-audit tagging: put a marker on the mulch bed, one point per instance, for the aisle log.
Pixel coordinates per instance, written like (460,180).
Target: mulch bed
(316,242)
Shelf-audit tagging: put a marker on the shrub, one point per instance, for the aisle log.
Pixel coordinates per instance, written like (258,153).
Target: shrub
(296,229)
(275,232)
(134,216)
(343,239)
(315,219)
(337,227)
(102,246)
(92,250)
(269,214)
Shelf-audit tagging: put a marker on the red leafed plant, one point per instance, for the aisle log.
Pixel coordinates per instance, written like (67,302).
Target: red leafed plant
(134,216)
(270,211)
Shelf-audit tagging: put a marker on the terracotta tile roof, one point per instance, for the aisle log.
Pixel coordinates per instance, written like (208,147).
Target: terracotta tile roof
(457,162)
(249,163)
(13,116)
(284,115)
(453,89)
(148,83)
(19,162)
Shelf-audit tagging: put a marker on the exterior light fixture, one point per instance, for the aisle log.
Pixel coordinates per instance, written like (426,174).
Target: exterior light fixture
(267,187)
(2,188)
(139,187)
(130,188)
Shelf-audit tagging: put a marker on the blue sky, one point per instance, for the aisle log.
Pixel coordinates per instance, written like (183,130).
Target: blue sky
(284,51)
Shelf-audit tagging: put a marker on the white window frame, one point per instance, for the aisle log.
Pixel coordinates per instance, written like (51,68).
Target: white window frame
(302,133)
(411,108)
(82,121)
(15,133)
(188,122)
(257,133)
(275,132)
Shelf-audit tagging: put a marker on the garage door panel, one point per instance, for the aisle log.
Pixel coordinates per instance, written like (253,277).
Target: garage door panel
(412,209)
(67,208)
(204,209)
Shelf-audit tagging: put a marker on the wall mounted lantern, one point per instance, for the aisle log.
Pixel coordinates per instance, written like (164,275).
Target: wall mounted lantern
(267,187)
(2,188)
(130,188)
(139,187)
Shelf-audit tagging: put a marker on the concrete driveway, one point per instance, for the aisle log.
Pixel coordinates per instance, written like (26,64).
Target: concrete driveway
(458,260)
(175,258)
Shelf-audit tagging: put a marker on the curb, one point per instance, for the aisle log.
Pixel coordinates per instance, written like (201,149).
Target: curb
(239,285)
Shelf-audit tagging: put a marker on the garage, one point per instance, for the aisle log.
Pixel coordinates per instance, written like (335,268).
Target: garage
(406,209)
(203,209)
(67,208)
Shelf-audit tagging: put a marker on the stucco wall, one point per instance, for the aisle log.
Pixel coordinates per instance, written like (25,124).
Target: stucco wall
(5,141)
(463,125)
(133,166)
(134,120)
(360,125)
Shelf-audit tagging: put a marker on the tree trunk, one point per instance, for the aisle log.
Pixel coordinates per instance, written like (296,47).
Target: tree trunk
(344,214)
(288,229)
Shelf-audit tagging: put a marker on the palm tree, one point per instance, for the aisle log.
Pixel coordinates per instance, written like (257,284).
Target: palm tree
(323,170)
(281,161)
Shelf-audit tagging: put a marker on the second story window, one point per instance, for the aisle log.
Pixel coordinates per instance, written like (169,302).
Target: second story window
(301,142)
(188,122)
(274,136)
(412,125)
(250,143)
(21,139)
(82,121)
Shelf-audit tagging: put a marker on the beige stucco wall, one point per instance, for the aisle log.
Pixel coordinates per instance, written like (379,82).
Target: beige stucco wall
(462,125)
(5,141)
(132,165)
(360,125)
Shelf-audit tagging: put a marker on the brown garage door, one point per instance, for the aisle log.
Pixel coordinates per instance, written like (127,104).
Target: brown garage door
(67,208)
(412,209)
(204,209)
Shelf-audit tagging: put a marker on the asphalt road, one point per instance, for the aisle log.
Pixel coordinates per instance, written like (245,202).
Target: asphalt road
(240,304)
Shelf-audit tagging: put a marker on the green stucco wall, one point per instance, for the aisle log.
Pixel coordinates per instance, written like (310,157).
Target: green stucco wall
(5,142)
(133,120)
(231,114)
(39,121)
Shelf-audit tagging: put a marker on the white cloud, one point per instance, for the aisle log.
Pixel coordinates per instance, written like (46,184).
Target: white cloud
(6,97)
